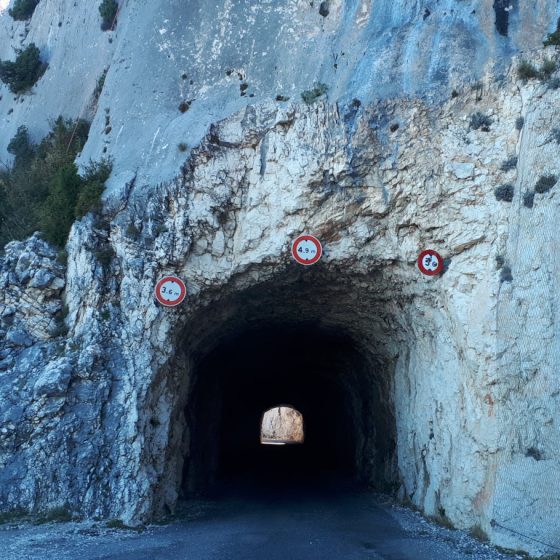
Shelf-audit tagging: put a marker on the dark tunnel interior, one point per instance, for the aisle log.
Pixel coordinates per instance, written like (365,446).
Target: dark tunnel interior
(349,422)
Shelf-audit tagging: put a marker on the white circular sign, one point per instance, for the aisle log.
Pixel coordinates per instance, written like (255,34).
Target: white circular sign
(430,262)
(306,249)
(170,291)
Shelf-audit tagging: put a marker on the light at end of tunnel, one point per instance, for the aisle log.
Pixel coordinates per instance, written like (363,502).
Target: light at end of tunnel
(273,443)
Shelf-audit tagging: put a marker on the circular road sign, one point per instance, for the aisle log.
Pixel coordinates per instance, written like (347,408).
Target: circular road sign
(170,291)
(430,262)
(306,249)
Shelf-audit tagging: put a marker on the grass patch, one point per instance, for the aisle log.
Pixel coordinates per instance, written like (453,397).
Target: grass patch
(527,71)
(442,521)
(547,69)
(59,514)
(479,533)
(12,516)
(99,85)
(311,95)
(119,524)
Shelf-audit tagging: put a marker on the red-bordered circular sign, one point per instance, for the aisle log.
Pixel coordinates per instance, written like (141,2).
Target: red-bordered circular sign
(430,262)
(170,291)
(306,249)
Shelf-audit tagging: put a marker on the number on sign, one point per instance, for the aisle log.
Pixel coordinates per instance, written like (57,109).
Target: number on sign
(430,262)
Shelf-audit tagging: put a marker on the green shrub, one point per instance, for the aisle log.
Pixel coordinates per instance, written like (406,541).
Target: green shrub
(92,187)
(105,256)
(555,135)
(20,146)
(554,83)
(480,121)
(108,10)
(132,231)
(184,106)
(62,257)
(553,39)
(504,192)
(99,85)
(527,71)
(23,9)
(311,95)
(509,164)
(505,274)
(545,183)
(22,74)
(529,199)
(519,122)
(182,147)
(534,453)
(43,189)
(56,215)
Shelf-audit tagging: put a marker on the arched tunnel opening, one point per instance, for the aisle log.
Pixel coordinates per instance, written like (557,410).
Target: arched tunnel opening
(277,346)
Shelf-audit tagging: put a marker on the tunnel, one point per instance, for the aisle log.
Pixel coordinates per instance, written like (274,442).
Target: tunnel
(276,344)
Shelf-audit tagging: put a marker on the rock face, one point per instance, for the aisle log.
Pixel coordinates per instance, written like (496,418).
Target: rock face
(446,386)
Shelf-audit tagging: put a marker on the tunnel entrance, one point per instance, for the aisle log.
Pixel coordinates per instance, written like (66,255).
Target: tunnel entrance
(321,372)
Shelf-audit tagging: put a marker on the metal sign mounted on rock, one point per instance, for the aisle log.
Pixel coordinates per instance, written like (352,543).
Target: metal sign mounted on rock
(170,291)
(306,250)
(430,262)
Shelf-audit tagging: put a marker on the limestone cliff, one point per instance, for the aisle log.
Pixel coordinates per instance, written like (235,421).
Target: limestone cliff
(452,380)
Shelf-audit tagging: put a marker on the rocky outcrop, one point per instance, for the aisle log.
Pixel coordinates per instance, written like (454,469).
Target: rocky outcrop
(451,379)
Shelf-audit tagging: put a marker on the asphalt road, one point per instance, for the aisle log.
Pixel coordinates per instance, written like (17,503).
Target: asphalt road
(319,523)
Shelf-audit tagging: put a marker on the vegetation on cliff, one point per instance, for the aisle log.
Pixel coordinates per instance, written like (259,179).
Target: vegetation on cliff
(23,9)
(43,190)
(22,74)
